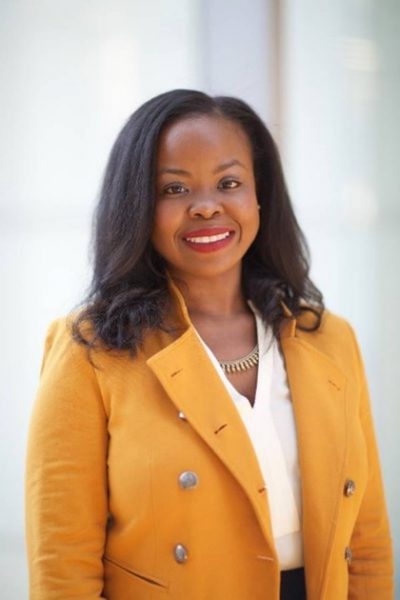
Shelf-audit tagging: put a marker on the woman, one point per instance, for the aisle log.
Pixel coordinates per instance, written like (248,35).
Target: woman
(202,428)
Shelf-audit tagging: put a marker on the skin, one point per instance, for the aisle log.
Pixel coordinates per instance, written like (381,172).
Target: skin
(205,178)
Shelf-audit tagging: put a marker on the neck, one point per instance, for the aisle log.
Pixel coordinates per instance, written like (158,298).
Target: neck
(216,297)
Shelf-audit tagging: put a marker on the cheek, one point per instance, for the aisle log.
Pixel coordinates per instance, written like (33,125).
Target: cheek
(254,227)
(249,213)
(162,218)
(166,221)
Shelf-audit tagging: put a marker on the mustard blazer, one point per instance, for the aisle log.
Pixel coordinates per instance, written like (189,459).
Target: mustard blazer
(109,514)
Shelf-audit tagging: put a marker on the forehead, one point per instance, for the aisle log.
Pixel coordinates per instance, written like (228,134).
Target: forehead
(205,137)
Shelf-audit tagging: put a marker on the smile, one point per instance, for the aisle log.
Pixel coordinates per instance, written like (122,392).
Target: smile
(208,238)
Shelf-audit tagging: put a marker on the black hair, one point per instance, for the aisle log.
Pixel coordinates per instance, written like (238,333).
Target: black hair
(129,291)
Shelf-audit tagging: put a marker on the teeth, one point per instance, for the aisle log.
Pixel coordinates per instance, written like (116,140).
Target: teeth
(207,239)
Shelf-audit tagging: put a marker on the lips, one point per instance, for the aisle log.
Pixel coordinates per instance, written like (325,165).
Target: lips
(208,239)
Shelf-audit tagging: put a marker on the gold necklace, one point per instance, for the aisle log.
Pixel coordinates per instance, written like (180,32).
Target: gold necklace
(241,364)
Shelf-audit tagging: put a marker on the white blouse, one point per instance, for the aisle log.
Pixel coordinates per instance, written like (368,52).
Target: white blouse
(271,427)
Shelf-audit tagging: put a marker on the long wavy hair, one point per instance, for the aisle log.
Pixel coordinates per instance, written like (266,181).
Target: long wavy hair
(128,295)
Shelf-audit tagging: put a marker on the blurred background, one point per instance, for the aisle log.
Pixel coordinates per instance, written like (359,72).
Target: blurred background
(324,75)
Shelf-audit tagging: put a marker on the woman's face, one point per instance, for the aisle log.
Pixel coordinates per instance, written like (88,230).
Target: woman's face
(206,214)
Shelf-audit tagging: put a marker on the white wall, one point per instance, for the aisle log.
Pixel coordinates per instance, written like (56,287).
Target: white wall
(238,52)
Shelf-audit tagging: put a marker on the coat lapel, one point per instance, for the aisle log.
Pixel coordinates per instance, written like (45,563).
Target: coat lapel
(190,380)
(318,391)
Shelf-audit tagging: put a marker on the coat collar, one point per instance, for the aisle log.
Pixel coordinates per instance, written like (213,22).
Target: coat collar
(288,327)
(317,387)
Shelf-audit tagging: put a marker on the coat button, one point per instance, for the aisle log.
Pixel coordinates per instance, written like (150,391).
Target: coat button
(188,479)
(348,555)
(180,553)
(349,487)
(182,415)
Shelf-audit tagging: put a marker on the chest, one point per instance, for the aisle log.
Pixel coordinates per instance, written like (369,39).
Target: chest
(245,383)
(233,341)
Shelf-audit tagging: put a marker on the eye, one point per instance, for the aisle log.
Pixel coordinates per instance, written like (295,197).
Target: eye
(174,188)
(229,184)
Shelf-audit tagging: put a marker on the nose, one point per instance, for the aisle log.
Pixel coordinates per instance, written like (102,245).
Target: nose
(205,207)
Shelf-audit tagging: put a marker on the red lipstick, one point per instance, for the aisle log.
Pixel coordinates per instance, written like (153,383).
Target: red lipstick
(208,239)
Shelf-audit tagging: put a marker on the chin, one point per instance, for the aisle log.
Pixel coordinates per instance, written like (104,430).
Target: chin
(206,271)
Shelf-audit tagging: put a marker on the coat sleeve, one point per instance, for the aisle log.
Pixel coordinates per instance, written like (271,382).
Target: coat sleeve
(371,567)
(66,489)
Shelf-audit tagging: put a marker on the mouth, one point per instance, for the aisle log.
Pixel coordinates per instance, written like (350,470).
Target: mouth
(208,240)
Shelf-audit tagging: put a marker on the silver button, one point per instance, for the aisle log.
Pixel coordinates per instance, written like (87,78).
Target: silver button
(182,415)
(188,479)
(349,487)
(348,554)
(180,553)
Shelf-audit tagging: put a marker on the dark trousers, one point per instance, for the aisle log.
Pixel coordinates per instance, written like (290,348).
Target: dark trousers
(293,585)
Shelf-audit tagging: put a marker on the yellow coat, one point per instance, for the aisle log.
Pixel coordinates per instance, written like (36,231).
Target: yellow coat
(104,507)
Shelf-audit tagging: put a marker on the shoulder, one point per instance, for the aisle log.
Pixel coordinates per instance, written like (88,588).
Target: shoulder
(61,352)
(331,325)
(65,357)
(335,338)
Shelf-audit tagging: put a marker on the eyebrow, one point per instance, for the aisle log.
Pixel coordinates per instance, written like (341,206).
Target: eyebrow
(221,167)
